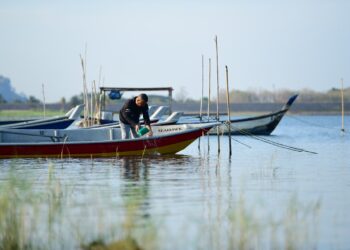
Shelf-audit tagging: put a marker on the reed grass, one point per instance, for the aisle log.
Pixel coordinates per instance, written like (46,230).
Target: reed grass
(42,218)
(293,227)
(13,198)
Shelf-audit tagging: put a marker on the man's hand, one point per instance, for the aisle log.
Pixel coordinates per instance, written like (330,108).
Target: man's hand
(150,133)
(137,127)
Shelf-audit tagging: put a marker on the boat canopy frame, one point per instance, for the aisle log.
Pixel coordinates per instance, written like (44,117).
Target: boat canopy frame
(103,91)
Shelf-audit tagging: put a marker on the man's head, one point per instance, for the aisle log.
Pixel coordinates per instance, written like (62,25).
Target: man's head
(141,100)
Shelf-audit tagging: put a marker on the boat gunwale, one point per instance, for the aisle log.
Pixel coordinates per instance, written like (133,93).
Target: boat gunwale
(139,139)
(260,117)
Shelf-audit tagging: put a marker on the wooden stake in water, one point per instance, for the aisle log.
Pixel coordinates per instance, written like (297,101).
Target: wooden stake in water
(342,105)
(86,89)
(217,86)
(44,104)
(98,98)
(201,106)
(92,104)
(85,97)
(209,83)
(97,107)
(228,111)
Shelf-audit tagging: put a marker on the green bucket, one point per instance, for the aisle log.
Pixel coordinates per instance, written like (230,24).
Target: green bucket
(142,131)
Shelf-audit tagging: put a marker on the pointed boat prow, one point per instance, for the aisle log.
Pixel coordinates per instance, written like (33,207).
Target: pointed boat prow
(290,102)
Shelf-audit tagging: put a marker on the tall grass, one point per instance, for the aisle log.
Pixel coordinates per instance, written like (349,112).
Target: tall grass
(49,217)
(14,223)
(293,227)
(41,218)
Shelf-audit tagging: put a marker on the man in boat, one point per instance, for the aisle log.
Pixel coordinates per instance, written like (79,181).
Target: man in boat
(129,116)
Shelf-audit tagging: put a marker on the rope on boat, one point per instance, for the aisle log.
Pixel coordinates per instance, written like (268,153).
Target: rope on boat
(273,143)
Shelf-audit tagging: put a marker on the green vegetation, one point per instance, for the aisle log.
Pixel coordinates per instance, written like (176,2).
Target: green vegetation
(280,96)
(293,227)
(41,218)
(14,194)
(31,113)
(50,217)
(268,96)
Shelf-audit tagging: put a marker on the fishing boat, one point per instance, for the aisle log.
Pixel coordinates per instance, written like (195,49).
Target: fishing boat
(11,122)
(71,117)
(104,142)
(59,122)
(256,125)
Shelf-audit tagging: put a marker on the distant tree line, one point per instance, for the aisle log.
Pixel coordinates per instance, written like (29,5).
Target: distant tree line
(181,97)
(278,96)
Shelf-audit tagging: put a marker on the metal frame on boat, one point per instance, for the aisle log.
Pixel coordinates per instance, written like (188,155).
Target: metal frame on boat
(120,90)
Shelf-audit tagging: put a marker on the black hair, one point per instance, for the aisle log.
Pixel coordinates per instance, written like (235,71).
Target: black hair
(144,97)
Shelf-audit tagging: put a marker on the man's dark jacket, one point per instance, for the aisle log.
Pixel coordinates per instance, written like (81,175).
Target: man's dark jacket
(130,113)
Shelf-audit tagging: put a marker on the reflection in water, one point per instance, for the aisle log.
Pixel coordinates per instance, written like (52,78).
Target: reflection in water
(207,200)
(135,188)
(133,169)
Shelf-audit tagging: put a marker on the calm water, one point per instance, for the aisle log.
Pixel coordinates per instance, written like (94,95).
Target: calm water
(188,201)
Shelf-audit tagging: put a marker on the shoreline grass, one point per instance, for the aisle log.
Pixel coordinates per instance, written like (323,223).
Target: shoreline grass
(46,218)
(30,113)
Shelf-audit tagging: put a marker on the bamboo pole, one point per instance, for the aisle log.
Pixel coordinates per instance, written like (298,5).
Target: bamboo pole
(209,83)
(92,104)
(201,105)
(97,107)
(44,103)
(228,111)
(98,97)
(84,92)
(86,101)
(342,105)
(217,86)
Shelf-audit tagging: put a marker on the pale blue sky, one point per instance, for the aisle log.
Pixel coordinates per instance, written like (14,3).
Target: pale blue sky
(266,44)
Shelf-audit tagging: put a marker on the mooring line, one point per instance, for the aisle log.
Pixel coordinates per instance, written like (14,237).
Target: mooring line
(226,123)
(240,142)
(273,143)
(276,144)
(313,124)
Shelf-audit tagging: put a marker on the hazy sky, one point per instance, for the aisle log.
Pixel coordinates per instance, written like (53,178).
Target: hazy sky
(266,44)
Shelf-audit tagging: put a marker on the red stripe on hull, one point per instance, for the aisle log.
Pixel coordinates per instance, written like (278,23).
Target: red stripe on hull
(97,148)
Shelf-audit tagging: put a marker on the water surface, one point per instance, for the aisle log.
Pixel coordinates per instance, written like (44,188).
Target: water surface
(193,200)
